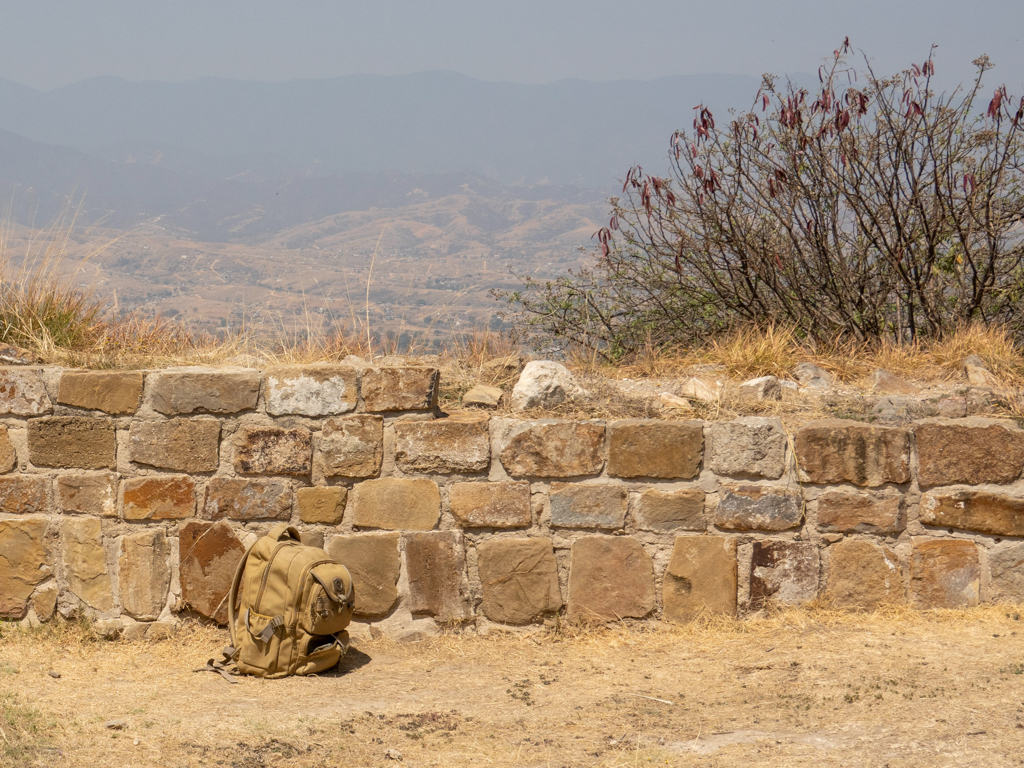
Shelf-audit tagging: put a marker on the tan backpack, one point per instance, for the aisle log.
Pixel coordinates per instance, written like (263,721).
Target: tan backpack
(294,605)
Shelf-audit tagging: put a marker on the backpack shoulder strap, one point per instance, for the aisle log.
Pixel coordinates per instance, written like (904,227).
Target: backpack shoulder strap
(233,594)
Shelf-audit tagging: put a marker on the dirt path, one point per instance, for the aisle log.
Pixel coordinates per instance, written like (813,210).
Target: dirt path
(905,689)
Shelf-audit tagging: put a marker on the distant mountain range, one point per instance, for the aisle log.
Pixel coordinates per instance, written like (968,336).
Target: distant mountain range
(230,159)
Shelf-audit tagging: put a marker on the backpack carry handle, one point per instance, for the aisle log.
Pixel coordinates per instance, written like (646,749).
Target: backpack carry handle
(284,531)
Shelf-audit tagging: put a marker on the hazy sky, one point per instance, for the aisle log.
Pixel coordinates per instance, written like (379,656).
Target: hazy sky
(48,43)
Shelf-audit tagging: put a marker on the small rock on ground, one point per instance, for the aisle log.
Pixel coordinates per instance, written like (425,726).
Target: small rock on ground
(812,377)
(482,394)
(543,384)
(762,388)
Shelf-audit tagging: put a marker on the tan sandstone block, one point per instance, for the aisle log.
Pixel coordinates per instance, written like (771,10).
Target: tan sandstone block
(750,446)
(971,510)
(374,562)
(144,573)
(1006,564)
(436,564)
(400,389)
(701,577)
(551,448)
(841,451)
(23,494)
(311,390)
(459,443)
(44,601)
(8,456)
(679,509)
(863,575)
(352,447)
(184,445)
(159,498)
(758,508)
(519,578)
(588,506)
(208,554)
(24,563)
(970,451)
(204,391)
(22,393)
(396,504)
(263,450)
(88,494)
(610,577)
(113,392)
(243,499)
(784,572)
(319,504)
(653,448)
(78,442)
(491,505)
(861,511)
(85,562)
(944,573)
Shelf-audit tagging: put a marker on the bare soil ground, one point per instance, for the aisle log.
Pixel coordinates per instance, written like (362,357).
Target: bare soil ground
(797,688)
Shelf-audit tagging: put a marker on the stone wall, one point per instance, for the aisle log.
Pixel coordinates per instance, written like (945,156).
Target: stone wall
(130,496)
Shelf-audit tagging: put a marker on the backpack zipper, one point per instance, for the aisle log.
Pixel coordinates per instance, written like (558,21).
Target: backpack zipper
(266,572)
(302,580)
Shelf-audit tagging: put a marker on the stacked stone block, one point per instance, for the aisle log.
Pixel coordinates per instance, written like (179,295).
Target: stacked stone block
(131,496)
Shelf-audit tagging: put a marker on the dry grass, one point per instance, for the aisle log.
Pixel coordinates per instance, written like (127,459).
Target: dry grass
(797,688)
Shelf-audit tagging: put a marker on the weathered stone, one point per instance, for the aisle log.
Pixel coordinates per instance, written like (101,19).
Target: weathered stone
(491,505)
(812,377)
(944,574)
(22,393)
(519,578)
(483,394)
(44,601)
(203,390)
(749,446)
(978,374)
(544,384)
(894,409)
(374,562)
(85,562)
(311,390)
(761,388)
(436,563)
(241,499)
(459,443)
(651,448)
(79,442)
(352,447)
(113,392)
(704,390)
(758,508)
(1006,564)
(159,498)
(951,407)
(784,572)
(502,368)
(263,450)
(887,383)
(861,512)
(680,509)
(587,506)
(8,456)
(208,554)
(320,504)
(396,504)
(91,494)
(863,575)
(838,451)
(23,494)
(400,389)
(610,577)
(144,574)
(971,510)
(970,451)
(11,355)
(24,563)
(550,448)
(185,445)
(671,402)
(701,577)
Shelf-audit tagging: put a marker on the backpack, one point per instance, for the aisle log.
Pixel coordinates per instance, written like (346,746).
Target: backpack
(294,605)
